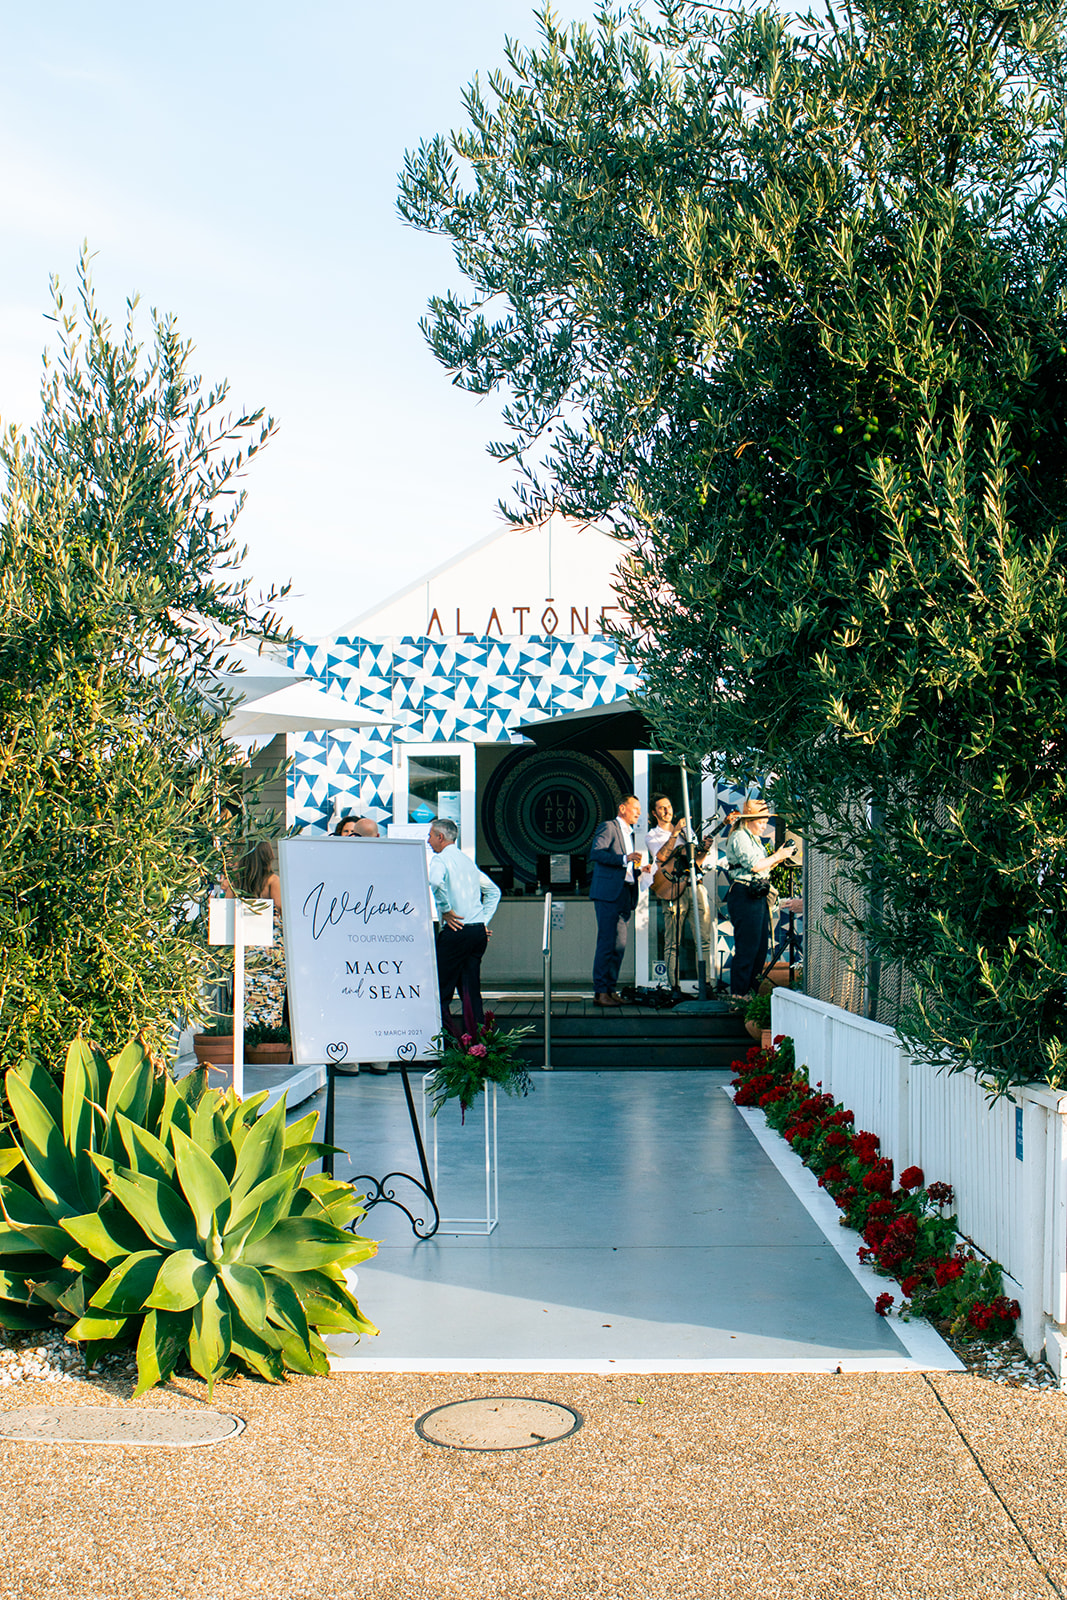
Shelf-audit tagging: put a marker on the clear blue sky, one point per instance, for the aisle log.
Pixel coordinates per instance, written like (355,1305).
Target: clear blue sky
(236,164)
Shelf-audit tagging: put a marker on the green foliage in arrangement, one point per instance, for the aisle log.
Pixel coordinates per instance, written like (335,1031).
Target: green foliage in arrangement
(139,1211)
(119,577)
(467,1064)
(784,300)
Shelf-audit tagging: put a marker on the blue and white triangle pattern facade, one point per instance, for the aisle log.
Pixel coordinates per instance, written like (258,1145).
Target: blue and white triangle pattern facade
(439,690)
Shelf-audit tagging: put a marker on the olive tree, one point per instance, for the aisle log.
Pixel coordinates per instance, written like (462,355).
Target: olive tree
(119,587)
(783,300)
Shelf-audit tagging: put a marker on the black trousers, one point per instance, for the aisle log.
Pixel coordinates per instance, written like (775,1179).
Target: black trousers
(752,929)
(459,966)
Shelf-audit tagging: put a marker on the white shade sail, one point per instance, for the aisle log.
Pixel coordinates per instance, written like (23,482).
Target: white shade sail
(297,708)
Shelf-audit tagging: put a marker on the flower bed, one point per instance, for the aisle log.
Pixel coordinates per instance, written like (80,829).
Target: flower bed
(907,1233)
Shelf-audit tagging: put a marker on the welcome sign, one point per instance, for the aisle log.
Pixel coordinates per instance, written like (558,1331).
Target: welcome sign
(359,950)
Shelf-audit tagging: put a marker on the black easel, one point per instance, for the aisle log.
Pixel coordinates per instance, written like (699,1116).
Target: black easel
(380,1194)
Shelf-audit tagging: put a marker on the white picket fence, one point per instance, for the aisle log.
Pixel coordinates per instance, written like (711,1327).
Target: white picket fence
(1006,1161)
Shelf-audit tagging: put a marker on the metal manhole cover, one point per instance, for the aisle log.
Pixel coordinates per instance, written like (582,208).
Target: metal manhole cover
(175,1430)
(498,1423)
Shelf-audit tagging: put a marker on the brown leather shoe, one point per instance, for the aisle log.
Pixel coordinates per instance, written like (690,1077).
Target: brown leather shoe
(606,1000)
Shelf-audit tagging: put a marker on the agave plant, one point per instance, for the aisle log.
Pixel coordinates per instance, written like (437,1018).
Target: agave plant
(172,1216)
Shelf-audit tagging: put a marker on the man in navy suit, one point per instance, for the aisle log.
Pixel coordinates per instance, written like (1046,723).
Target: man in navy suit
(616,864)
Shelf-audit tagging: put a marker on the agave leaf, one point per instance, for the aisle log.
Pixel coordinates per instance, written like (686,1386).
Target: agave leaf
(209,1338)
(22,1319)
(326,1304)
(176,1111)
(299,1133)
(130,1090)
(258,1212)
(301,1242)
(84,1078)
(258,1353)
(50,1288)
(183,1282)
(202,1183)
(156,1207)
(208,1128)
(10,1157)
(75,1300)
(261,1153)
(144,1150)
(96,1326)
(302,1356)
(13,1284)
(248,1293)
(44,1086)
(284,1309)
(48,1161)
(127,1286)
(163,1338)
(28,1225)
(107,1235)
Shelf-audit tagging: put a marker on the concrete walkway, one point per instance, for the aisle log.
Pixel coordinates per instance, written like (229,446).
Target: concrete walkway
(643,1227)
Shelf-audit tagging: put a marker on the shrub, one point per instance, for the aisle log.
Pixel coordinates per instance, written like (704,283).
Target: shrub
(173,1218)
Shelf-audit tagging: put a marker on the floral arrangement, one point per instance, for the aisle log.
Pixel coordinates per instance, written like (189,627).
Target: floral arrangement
(906,1232)
(467,1063)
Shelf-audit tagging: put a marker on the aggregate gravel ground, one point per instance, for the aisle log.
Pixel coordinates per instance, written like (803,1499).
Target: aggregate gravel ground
(693,1487)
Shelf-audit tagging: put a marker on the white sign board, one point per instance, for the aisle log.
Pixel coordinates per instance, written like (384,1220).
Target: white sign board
(257,921)
(359,950)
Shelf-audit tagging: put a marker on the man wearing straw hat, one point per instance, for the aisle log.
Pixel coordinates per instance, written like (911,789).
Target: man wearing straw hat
(750,868)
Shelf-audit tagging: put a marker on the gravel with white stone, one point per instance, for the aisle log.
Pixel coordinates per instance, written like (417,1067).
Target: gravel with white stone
(44,1356)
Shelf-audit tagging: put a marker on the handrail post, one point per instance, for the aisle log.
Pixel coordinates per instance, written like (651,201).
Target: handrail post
(546,962)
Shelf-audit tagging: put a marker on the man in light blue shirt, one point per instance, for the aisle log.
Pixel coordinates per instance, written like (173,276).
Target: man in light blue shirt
(466,900)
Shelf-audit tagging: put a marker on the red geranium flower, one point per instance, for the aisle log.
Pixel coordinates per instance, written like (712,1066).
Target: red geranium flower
(911,1178)
(940,1194)
(946,1271)
(911,1283)
(883,1303)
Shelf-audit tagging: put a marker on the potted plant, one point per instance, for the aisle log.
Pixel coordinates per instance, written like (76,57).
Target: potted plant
(758,1017)
(267,1046)
(214,1047)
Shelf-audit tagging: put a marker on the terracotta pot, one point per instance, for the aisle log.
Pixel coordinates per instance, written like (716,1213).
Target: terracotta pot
(273,1054)
(777,977)
(765,1039)
(753,1030)
(213,1050)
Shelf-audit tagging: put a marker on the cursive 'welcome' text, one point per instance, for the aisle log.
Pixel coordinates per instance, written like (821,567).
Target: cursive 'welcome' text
(327,914)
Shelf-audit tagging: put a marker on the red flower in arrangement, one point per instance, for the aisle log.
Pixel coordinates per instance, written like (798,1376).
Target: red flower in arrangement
(846,1197)
(883,1303)
(843,1119)
(910,1284)
(833,1174)
(1009,1310)
(881,1208)
(911,1178)
(980,1316)
(864,1252)
(940,1193)
(880,1178)
(837,1139)
(947,1271)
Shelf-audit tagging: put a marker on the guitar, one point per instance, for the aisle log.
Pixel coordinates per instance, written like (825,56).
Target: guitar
(672,860)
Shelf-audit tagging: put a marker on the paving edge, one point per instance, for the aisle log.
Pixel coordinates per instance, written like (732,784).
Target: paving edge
(924,1345)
